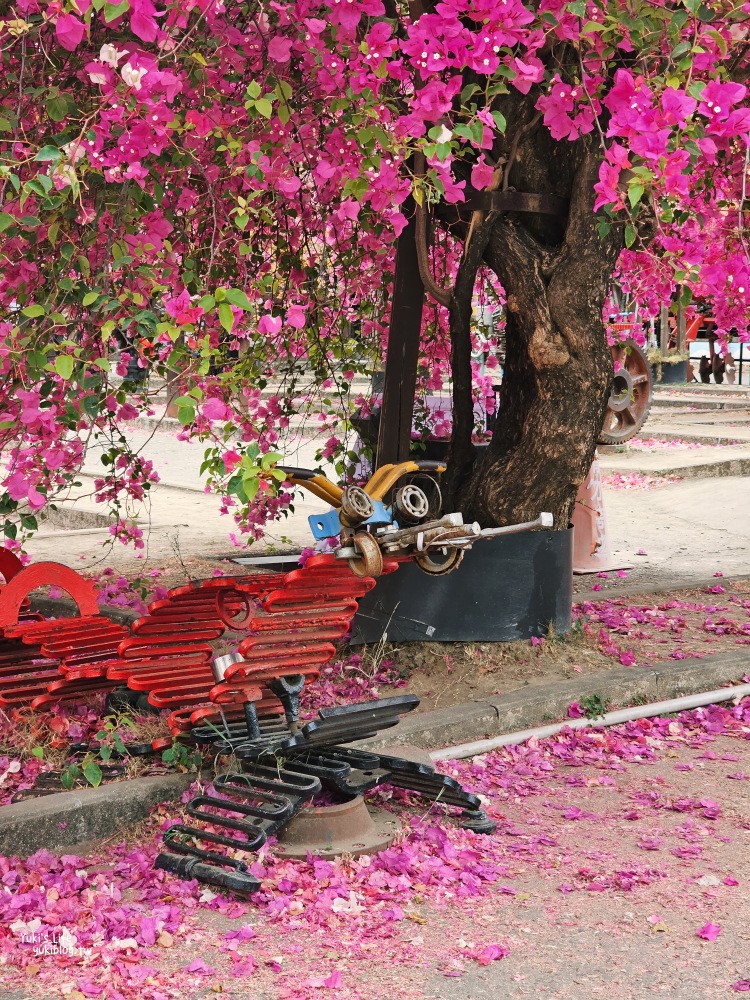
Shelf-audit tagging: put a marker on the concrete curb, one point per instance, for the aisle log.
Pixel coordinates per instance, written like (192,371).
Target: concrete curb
(662,404)
(538,705)
(65,822)
(94,813)
(633,587)
(704,470)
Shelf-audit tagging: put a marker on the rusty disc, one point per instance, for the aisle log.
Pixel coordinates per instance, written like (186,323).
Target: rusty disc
(369,562)
(438,562)
(630,400)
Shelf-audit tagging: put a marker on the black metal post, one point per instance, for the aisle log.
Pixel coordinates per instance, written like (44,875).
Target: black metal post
(394,435)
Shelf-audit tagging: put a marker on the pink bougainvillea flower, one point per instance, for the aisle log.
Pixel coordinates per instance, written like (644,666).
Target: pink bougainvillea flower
(491,953)
(709,932)
(280,49)
(69,31)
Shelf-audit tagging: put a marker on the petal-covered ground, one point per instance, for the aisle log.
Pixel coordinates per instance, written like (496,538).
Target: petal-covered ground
(618,869)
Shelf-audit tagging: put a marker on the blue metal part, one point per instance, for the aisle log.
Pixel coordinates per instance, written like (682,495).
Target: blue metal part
(325,525)
(329,526)
(381,515)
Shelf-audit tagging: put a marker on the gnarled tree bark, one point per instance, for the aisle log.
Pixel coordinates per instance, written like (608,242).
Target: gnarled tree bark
(558,366)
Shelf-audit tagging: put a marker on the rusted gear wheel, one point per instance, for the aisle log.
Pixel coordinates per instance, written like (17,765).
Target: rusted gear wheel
(369,562)
(630,400)
(437,562)
(412,504)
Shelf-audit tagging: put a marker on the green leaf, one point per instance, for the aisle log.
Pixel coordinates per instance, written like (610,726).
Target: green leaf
(57,107)
(578,8)
(64,366)
(105,753)
(113,11)
(68,777)
(238,298)
(186,415)
(5,221)
(37,752)
(92,773)
(629,235)
(34,311)
(251,487)
(51,153)
(635,193)
(207,303)
(264,107)
(226,317)
(253,90)
(90,297)
(270,459)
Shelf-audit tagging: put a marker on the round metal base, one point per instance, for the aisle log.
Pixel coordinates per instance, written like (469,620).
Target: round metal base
(346,828)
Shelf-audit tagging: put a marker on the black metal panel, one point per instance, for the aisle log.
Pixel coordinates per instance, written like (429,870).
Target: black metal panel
(506,589)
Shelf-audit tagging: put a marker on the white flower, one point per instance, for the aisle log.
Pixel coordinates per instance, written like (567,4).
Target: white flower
(445,135)
(123,944)
(350,905)
(110,55)
(132,76)
(99,78)
(74,151)
(67,941)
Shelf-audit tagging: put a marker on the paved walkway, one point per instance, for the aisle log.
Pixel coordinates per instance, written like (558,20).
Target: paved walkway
(688,529)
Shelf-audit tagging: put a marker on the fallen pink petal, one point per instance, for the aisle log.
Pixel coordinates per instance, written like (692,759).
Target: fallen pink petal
(709,932)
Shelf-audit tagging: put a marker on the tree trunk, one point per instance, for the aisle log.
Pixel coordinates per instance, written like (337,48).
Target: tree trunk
(558,367)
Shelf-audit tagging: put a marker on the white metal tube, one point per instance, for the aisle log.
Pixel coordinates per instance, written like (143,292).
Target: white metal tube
(610,719)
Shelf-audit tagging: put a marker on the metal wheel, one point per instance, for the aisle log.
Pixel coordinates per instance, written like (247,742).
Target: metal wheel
(429,486)
(369,562)
(438,562)
(630,400)
(356,506)
(412,503)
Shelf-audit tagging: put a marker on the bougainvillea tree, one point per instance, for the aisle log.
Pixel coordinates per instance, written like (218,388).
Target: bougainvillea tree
(212,190)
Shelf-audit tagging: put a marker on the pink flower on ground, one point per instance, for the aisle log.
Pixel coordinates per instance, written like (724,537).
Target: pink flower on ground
(575,711)
(709,932)
(491,953)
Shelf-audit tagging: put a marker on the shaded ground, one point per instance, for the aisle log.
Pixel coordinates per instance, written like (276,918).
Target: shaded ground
(615,851)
